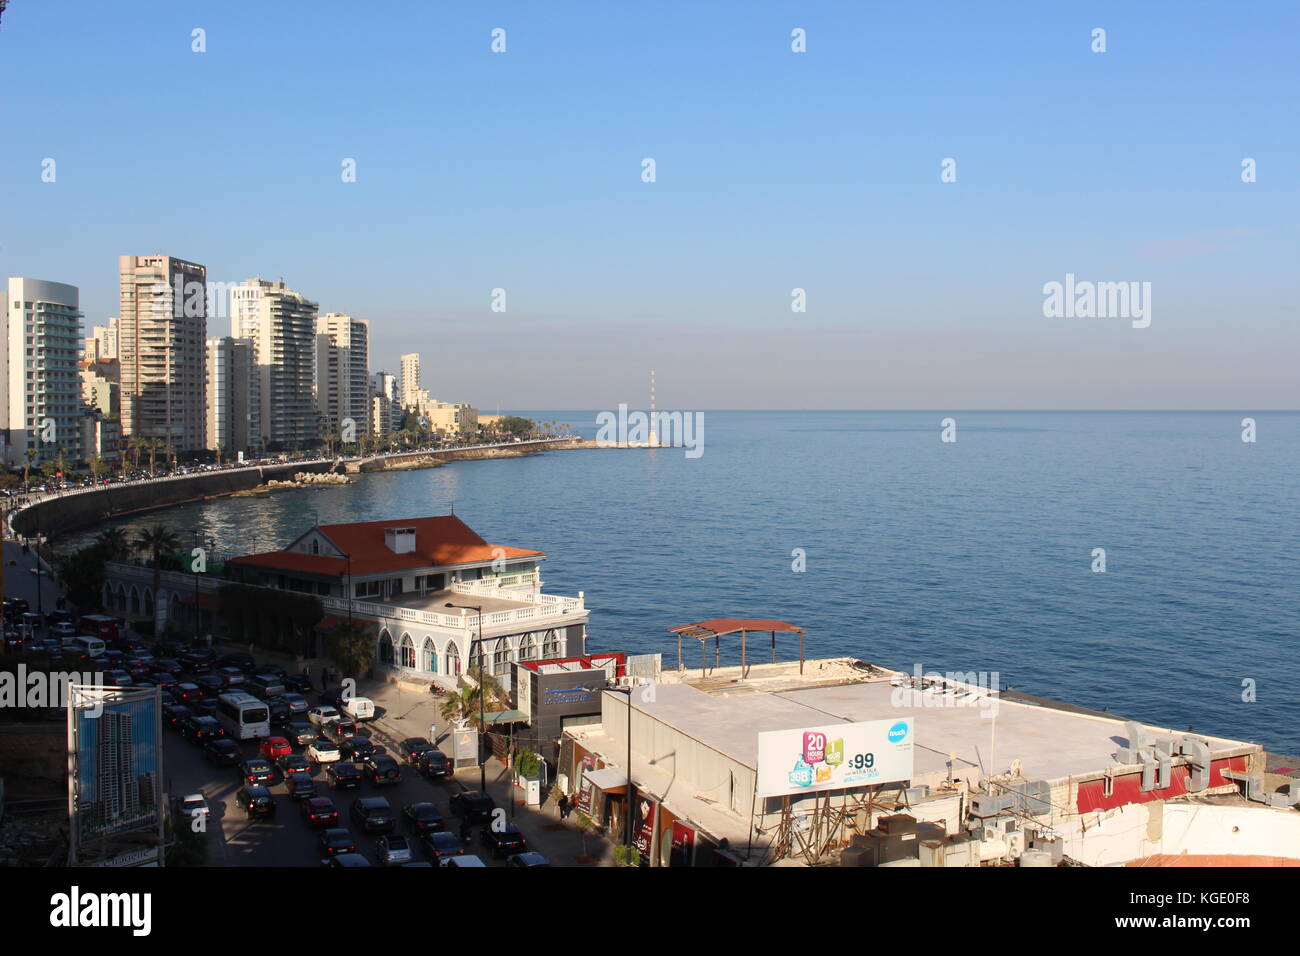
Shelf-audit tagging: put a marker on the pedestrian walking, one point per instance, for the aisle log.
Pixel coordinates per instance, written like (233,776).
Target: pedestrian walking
(564,806)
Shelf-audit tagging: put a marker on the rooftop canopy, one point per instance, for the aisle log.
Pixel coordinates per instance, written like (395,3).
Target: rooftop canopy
(718,627)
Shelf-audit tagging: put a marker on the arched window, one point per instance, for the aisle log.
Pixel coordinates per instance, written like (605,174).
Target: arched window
(385,647)
(452,659)
(528,648)
(501,657)
(430,656)
(148,601)
(408,652)
(135,600)
(551,644)
(476,657)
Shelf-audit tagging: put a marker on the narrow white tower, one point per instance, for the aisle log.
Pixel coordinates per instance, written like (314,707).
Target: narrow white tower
(654,432)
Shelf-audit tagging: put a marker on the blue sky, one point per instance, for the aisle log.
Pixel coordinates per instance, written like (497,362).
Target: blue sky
(775,170)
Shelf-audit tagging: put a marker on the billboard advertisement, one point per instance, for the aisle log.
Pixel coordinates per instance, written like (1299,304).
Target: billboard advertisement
(833,757)
(116,791)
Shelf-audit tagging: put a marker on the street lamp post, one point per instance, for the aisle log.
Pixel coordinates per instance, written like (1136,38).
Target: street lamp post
(482,690)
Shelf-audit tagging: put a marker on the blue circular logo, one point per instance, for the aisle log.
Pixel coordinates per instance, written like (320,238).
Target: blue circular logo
(898,732)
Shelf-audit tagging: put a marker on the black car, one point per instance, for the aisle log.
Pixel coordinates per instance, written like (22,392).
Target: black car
(333,697)
(300,731)
(412,748)
(201,728)
(231,677)
(257,770)
(187,692)
(210,684)
(473,806)
(299,785)
(208,705)
(435,764)
(255,800)
(291,764)
(296,683)
(441,844)
(356,748)
(337,840)
(504,842)
(343,775)
(346,860)
(423,818)
(223,752)
(278,711)
(239,659)
(372,814)
(381,769)
(175,714)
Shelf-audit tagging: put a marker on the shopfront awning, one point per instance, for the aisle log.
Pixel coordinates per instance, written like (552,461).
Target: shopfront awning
(608,778)
(504,717)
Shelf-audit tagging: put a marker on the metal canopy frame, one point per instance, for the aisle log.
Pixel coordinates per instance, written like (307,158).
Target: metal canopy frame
(717,628)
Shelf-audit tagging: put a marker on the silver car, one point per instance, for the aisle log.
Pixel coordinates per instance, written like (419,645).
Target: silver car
(394,849)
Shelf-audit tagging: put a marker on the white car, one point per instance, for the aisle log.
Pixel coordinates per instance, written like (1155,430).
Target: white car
(194,805)
(322,715)
(323,751)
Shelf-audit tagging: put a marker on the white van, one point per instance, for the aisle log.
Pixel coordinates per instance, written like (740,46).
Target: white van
(90,646)
(359,708)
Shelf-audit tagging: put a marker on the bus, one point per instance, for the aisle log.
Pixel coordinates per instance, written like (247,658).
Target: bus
(243,716)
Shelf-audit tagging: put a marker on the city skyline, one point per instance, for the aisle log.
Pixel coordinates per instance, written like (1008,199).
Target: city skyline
(775,170)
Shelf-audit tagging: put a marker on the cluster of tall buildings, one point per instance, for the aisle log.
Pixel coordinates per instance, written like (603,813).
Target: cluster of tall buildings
(285,378)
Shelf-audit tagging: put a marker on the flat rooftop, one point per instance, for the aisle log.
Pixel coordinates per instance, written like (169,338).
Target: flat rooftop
(437,601)
(727,712)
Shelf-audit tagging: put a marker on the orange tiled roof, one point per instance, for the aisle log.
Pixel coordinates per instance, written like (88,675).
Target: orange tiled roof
(440,541)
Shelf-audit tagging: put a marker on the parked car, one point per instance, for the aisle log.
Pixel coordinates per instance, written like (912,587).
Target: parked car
(423,818)
(393,850)
(473,806)
(503,842)
(359,708)
(255,800)
(343,775)
(222,752)
(383,769)
(319,811)
(527,859)
(412,748)
(440,844)
(435,765)
(321,750)
(372,814)
(337,840)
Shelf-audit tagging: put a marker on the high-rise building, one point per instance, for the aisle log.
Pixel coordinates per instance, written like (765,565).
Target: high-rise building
(162,348)
(40,377)
(282,325)
(342,373)
(102,342)
(411,394)
(385,410)
(234,406)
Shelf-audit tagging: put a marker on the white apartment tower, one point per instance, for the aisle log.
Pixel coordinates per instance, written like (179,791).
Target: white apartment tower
(282,326)
(39,376)
(234,406)
(162,348)
(408,381)
(342,372)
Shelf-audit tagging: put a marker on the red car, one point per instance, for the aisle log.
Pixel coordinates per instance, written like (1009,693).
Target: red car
(320,812)
(273,747)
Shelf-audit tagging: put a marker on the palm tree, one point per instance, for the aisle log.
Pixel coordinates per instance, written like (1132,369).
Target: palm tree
(97,467)
(113,541)
(461,706)
(30,455)
(154,540)
(152,445)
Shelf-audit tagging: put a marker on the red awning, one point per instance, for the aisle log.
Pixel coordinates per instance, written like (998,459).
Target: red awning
(718,626)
